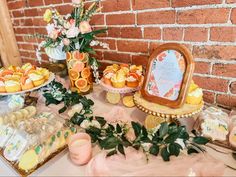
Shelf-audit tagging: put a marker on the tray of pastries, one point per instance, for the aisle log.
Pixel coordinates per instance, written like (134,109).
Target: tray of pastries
(122,78)
(29,139)
(15,80)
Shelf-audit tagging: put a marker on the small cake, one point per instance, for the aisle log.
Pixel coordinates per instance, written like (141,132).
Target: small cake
(37,78)
(12,86)
(2,85)
(28,160)
(26,83)
(44,72)
(107,78)
(194,97)
(132,80)
(118,80)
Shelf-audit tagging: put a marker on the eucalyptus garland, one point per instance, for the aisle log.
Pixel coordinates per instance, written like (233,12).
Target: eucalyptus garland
(55,93)
(168,139)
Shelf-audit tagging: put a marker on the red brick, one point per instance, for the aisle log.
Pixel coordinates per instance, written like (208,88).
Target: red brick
(172,34)
(39,22)
(97,19)
(230,1)
(185,3)
(98,55)
(161,17)
(65,9)
(202,67)
(132,46)
(28,22)
(115,5)
(114,32)
(104,34)
(131,32)
(212,83)
(150,4)
(233,15)
(227,70)
(218,52)
(18,13)
(226,100)
(120,19)
(19,38)
(208,97)
(196,34)
(203,16)
(223,34)
(140,60)
(16,5)
(47,2)
(33,3)
(232,87)
(27,46)
(114,56)
(31,12)
(152,33)
(153,46)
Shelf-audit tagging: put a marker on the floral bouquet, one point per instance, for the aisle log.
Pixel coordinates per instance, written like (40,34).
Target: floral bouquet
(71,35)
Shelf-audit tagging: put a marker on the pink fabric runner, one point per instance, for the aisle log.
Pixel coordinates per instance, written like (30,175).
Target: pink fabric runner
(135,164)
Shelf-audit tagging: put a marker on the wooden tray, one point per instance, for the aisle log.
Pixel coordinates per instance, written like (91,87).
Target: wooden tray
(14,165)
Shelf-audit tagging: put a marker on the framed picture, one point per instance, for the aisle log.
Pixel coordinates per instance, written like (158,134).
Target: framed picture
(168,76)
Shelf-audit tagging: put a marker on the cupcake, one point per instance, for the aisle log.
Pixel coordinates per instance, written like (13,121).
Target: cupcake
(27,68)
(194,97)
(12,86)
(118,80)
(107,78)
(26,83)
(37,78)
(132,80)
(2,85)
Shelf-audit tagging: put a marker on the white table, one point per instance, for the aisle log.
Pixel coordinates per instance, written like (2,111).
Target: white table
(62,166)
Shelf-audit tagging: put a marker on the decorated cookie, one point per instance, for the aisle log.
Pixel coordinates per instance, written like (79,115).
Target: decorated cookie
(5,134)
(28,160)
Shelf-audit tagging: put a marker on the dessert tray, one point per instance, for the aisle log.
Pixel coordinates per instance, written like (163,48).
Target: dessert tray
(187,110)
(123,90)
(50,79)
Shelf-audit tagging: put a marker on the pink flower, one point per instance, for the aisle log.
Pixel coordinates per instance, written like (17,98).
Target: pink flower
(130,135)
(76,1)
(66,41)
(72,32)
(85,27)
(53,34)
(72,21)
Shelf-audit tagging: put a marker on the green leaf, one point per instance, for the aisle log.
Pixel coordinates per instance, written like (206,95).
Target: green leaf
(118,128)
(62,109)
(165,154)
(137,128)
(111,153)
(172,128)
(144,131)
(95,130)
(101,120)
(174,149)
(109,143)
(154,150)
(121,149)
(163,129)
(171,138)
(200,140)
(192,150)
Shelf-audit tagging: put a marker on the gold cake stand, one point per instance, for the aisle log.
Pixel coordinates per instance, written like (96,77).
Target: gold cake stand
(166,113)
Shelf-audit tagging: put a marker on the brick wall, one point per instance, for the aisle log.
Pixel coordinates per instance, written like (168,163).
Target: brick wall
(137,27)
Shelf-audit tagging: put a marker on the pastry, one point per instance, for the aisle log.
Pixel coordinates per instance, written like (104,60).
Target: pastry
(37,78)
(44,72)
(2,85)
(107,78)
(12,86)
(26,83)
(132,80)
(195,97)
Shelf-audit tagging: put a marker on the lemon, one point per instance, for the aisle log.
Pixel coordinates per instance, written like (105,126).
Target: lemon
(128,101)
(153,121)
(113,98)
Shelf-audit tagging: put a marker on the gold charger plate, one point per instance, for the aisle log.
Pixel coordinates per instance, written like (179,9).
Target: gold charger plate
(23,173)
(187,110)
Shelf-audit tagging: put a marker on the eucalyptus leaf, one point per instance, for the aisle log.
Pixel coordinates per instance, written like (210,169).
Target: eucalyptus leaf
(118,128)
(112,153)
(121,149)
(200,140)
(163,129)
(174,149)
(109,143)
(165,154)
(137,128)
(154,150)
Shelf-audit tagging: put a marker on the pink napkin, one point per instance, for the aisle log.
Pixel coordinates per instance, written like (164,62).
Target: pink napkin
(135,164)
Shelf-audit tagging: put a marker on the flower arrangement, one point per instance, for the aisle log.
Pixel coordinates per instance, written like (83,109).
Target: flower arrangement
(72,32)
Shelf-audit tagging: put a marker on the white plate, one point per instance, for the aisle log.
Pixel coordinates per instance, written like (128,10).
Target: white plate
(50,79)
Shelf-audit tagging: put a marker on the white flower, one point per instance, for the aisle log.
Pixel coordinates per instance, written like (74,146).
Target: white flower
(72,32)
(85,124)
(94,43)
(67,25)
(146,146)
(77,107)
(50,27)
(96,124)
(180,142)
(77,45)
